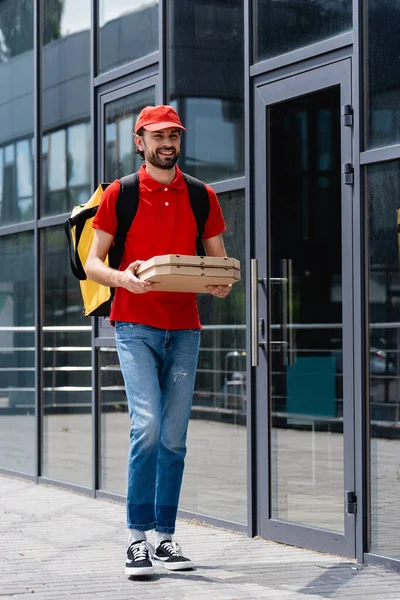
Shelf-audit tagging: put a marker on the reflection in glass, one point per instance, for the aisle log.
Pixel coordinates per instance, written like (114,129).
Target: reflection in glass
(16,111)
(382,73)
(120,118)
(17,353)
(305,299)
(215,479)
(128,30)
(383,197)
(206,45)
(115,424)
(67,421)
(287,25)
(66,105)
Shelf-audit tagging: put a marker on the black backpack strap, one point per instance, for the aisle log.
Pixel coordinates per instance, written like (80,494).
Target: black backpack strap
(200,204)
(126,209)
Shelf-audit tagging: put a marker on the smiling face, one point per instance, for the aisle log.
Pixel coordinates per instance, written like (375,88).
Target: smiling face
(161,148)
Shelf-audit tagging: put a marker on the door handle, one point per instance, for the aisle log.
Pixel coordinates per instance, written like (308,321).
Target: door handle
(254,312)
(287,341)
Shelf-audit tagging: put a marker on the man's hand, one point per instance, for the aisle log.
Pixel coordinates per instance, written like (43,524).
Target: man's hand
(221,291)
(130,282)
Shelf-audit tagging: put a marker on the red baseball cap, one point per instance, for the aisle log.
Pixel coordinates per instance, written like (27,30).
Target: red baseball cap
(154,118)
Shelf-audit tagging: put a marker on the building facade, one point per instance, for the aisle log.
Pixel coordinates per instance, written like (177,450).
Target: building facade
(292,114)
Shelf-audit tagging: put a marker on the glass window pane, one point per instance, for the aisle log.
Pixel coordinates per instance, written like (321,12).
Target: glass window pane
(382,73)
(215,479)
(290,24)
(17,353)
(205,85)
(383,194)
(67,369)
(120,117)
(16,110)
(66,105)
(128,30)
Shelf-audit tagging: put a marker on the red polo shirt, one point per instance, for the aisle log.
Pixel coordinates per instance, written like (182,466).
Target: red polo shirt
(164,224)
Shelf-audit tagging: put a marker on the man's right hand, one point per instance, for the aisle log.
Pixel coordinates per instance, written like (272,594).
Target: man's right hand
(130,282)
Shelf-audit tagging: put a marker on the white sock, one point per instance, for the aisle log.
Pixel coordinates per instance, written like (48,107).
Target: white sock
(134,535)
(162,537)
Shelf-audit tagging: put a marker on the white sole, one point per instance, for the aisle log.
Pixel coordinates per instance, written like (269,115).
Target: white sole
(182,566)
(139,571)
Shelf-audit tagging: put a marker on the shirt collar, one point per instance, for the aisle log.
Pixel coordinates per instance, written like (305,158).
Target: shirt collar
(151,185)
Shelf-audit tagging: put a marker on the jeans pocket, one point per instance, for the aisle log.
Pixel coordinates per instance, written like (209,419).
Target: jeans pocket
(124,325)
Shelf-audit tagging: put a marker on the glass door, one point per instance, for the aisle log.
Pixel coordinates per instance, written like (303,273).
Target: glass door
(302,309)
(118,111)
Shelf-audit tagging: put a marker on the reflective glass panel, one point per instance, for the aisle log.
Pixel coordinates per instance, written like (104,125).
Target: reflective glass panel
(120,118)
(205,85)
(215,479)
(383,197)
(305,334)
(16,111)
(17,353)
(67,368)
(290,24)
(382,73)
(128,30)
(66,105)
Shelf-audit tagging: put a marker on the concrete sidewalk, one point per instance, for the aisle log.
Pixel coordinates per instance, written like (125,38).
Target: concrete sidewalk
(56,544)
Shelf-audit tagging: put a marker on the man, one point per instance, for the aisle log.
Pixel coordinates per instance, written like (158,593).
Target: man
(157,333)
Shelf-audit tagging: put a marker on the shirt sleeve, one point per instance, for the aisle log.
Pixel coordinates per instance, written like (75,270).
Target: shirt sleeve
(106,218)
(215,224)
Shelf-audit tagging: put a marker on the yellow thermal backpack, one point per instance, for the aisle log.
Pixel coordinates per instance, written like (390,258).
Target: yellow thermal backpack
(97,298)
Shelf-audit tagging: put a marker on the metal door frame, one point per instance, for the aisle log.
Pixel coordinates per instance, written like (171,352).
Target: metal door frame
(267,93)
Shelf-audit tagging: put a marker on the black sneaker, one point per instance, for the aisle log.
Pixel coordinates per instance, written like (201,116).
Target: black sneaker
(138,559)
(170,554)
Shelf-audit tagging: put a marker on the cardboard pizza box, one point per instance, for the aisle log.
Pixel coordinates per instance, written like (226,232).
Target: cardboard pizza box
(193,277)
(220,262)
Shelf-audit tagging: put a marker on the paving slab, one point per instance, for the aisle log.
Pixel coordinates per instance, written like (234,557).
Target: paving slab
(57,544)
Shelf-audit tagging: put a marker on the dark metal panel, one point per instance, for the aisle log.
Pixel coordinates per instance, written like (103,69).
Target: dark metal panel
(359,280)
(306,83)
(80,489)
(17,228)
(130,69)
(249,253)
(229,185)
(213,521)
(261,385)
(53,220)
(307,65)
(307,537)
(266,95)
(94,45)
(381,561)
(38,187)
(161,97)
(109,95)
(335,43)
(347,310)
(380,154)
(19,475)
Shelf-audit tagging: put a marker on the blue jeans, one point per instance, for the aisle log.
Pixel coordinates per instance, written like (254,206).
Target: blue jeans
(159,370)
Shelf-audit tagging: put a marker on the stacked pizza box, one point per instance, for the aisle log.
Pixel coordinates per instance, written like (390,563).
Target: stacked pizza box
(179,273)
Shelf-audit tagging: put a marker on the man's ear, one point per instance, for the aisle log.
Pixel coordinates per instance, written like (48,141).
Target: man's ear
(138,141)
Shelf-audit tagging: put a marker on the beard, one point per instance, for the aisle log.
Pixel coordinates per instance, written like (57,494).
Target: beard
(159,161)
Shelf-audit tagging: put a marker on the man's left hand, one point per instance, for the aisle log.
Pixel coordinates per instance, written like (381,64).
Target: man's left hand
(221,291)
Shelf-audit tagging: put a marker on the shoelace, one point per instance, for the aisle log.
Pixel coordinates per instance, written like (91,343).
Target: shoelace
(141,551)
(172,547)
